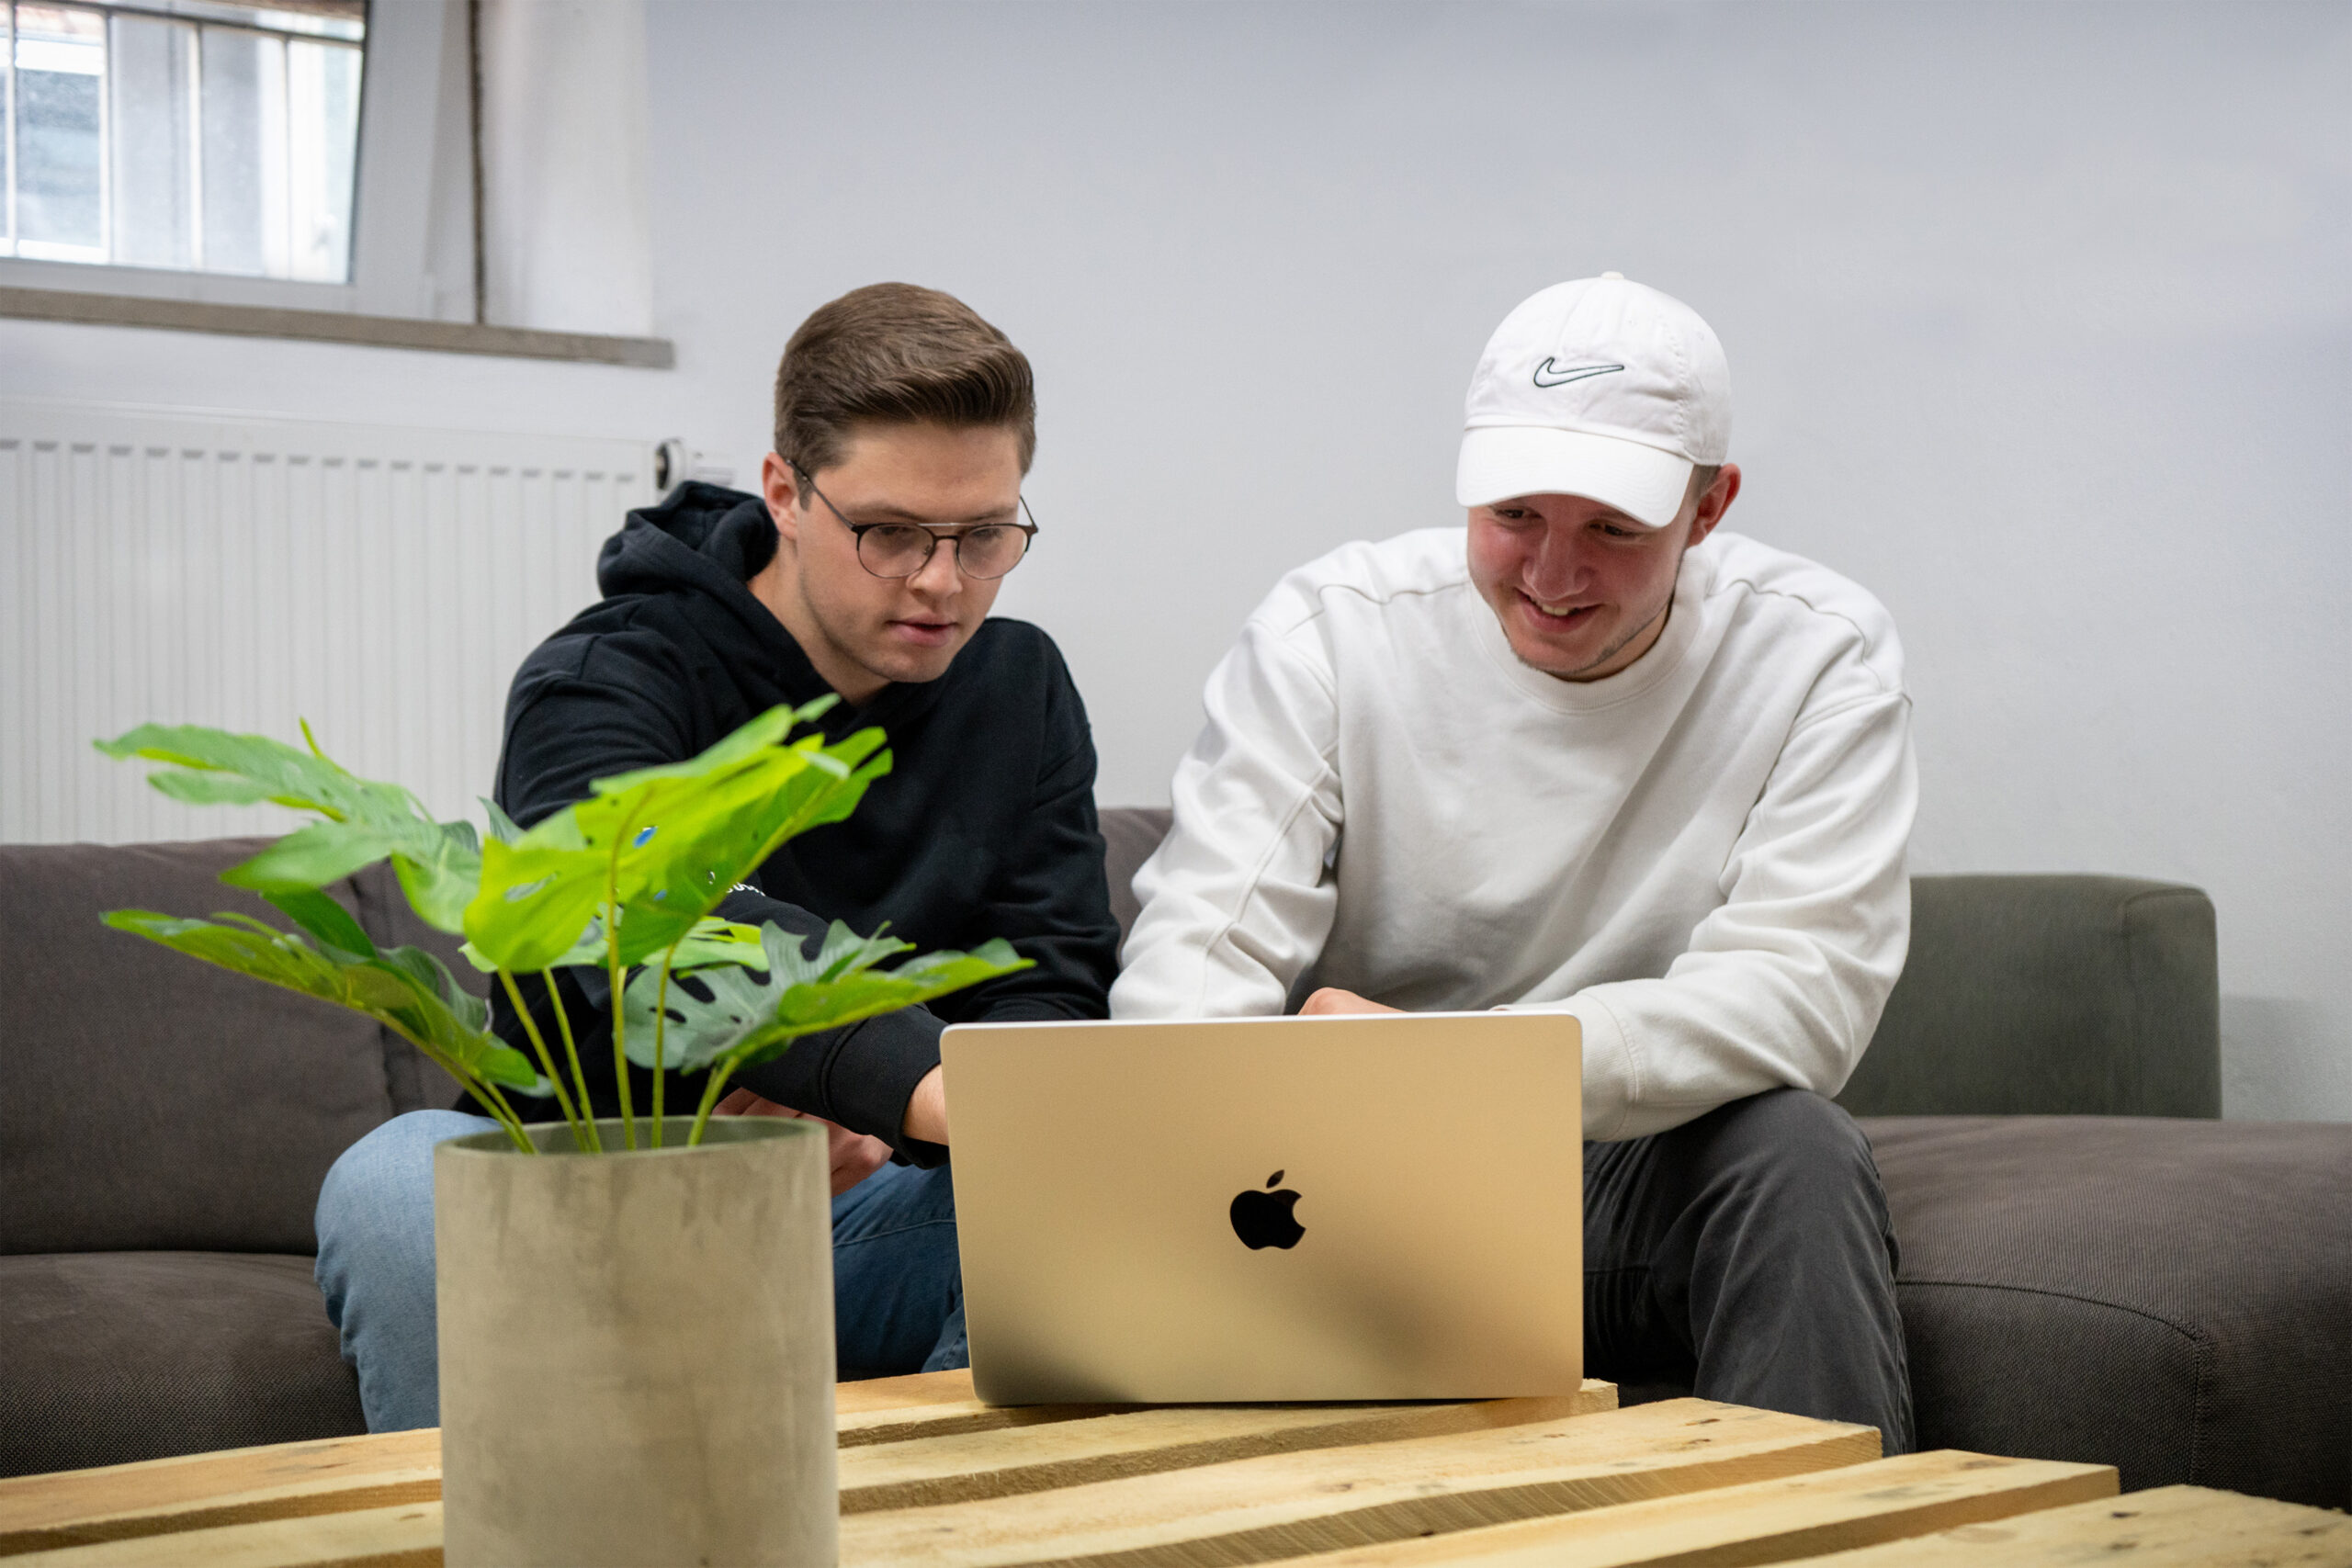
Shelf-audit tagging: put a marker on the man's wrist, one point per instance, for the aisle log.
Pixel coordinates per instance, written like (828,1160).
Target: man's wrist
(926,1117)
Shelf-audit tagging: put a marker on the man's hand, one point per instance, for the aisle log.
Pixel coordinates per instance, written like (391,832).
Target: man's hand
(854,1155)
(1331,999)
(927,1109)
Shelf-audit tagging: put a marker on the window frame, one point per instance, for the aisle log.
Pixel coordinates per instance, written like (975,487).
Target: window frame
(409,107)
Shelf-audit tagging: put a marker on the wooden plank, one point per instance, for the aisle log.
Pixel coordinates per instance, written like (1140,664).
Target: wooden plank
(1288,1505)
(2171,1526)
(901,1394)
(340,1475)
(936,1404)
(1764,1521)
(406,1537)
(296,1480)
(232,1486)
(940,1404)
(1074,1454)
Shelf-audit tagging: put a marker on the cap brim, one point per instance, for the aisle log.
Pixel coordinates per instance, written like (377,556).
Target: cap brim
(1501,462)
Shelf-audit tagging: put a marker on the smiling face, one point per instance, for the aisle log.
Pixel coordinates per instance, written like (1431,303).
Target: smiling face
(862,632)
(1582,590)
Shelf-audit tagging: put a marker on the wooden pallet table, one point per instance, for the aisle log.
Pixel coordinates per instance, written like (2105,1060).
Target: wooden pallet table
(931,1478)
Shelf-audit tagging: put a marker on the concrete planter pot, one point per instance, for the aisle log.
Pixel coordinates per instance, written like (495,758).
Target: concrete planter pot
(637,1349)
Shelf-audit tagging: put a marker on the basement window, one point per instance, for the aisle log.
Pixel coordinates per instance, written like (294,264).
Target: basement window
(183,135)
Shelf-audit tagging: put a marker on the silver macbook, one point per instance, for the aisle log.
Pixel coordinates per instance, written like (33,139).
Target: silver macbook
(1255,1210)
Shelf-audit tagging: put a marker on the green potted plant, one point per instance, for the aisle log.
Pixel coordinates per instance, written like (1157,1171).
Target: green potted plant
(637,1336)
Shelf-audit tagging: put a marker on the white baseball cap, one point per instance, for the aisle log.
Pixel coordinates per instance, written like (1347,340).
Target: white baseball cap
(1601,389)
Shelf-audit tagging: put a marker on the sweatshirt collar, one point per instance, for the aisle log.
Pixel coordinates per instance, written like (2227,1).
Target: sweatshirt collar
(1636,680)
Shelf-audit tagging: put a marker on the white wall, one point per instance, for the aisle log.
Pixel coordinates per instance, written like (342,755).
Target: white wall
(563,152)
(2038,318)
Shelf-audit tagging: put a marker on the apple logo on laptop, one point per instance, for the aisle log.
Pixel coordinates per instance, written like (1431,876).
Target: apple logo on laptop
(1264,1218)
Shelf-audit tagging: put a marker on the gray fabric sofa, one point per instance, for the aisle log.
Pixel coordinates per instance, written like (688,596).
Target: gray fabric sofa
(164,1130)
(2093,1267)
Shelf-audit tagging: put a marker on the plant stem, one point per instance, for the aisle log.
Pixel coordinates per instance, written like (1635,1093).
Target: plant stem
(613,973)
(709,1098)
(546,1062)
(660,1022)
(518,1137)
(571,1050)
(487,1092)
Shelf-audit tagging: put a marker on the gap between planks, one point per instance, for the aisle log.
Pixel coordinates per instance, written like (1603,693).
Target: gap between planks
(1763,1521)
(407,1537)
(235,1486)
(1478,1477)
(1291,1505)
(2170,1526)
(927,1471)
(344,1474)
(2175,1526)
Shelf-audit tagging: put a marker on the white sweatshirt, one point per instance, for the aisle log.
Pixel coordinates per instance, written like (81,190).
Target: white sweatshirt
(1701,857)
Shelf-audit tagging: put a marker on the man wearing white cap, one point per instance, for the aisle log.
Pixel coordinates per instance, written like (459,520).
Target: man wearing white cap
(1603,759)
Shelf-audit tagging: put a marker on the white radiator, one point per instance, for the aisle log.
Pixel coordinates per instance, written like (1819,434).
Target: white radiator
(251,572)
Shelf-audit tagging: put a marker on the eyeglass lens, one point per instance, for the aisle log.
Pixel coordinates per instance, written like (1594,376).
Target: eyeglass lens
(897,549)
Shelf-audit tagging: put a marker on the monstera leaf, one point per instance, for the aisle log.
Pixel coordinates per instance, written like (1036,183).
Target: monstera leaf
(633,872)
(740,1021)
(712,941)
(663,846)
(406,988)
(439,863)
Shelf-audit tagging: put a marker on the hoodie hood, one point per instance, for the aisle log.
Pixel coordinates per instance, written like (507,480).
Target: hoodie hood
(699,536)
(707,543)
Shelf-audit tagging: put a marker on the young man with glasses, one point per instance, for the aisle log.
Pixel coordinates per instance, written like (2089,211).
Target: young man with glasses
(1592,756)
(891,511)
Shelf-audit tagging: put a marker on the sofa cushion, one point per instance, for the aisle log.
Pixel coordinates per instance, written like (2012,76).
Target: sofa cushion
(2023,996)
(415,1084)
(1129,835)
(2168,1296)
(151,1100)
(120,1356)
(2055,995)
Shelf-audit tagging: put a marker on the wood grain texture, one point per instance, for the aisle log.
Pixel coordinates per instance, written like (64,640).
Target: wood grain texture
(872,1394)
(1289,1504)
(941,1405)
(203,1491)
(2171,1526)
(1764,1521)
(878,1419)
(936,1404)
(407,1537)
(341,1474)
(1076,1452)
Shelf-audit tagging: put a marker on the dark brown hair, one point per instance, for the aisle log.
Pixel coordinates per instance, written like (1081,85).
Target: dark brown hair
(895,354)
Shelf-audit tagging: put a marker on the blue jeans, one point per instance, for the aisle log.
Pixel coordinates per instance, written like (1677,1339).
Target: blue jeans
(898,1287)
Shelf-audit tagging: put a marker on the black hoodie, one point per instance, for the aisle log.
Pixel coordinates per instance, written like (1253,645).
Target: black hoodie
(984,826)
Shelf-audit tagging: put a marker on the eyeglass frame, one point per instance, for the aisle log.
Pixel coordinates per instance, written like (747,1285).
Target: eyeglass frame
(932,533)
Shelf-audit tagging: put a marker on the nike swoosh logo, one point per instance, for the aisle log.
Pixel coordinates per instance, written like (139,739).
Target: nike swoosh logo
(1548,375)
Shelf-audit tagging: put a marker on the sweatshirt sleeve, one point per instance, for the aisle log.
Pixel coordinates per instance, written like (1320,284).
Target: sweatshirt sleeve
(1239,898)
(1782,984)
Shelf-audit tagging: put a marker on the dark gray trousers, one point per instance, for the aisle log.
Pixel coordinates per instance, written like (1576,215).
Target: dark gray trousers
(1748,1258)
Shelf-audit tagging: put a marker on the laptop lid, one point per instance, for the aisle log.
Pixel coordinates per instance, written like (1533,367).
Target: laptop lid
(1384,1207)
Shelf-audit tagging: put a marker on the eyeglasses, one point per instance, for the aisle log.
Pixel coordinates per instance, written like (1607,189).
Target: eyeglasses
(902,549)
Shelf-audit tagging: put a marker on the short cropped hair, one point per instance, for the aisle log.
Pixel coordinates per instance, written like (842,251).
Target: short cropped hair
(895,354)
